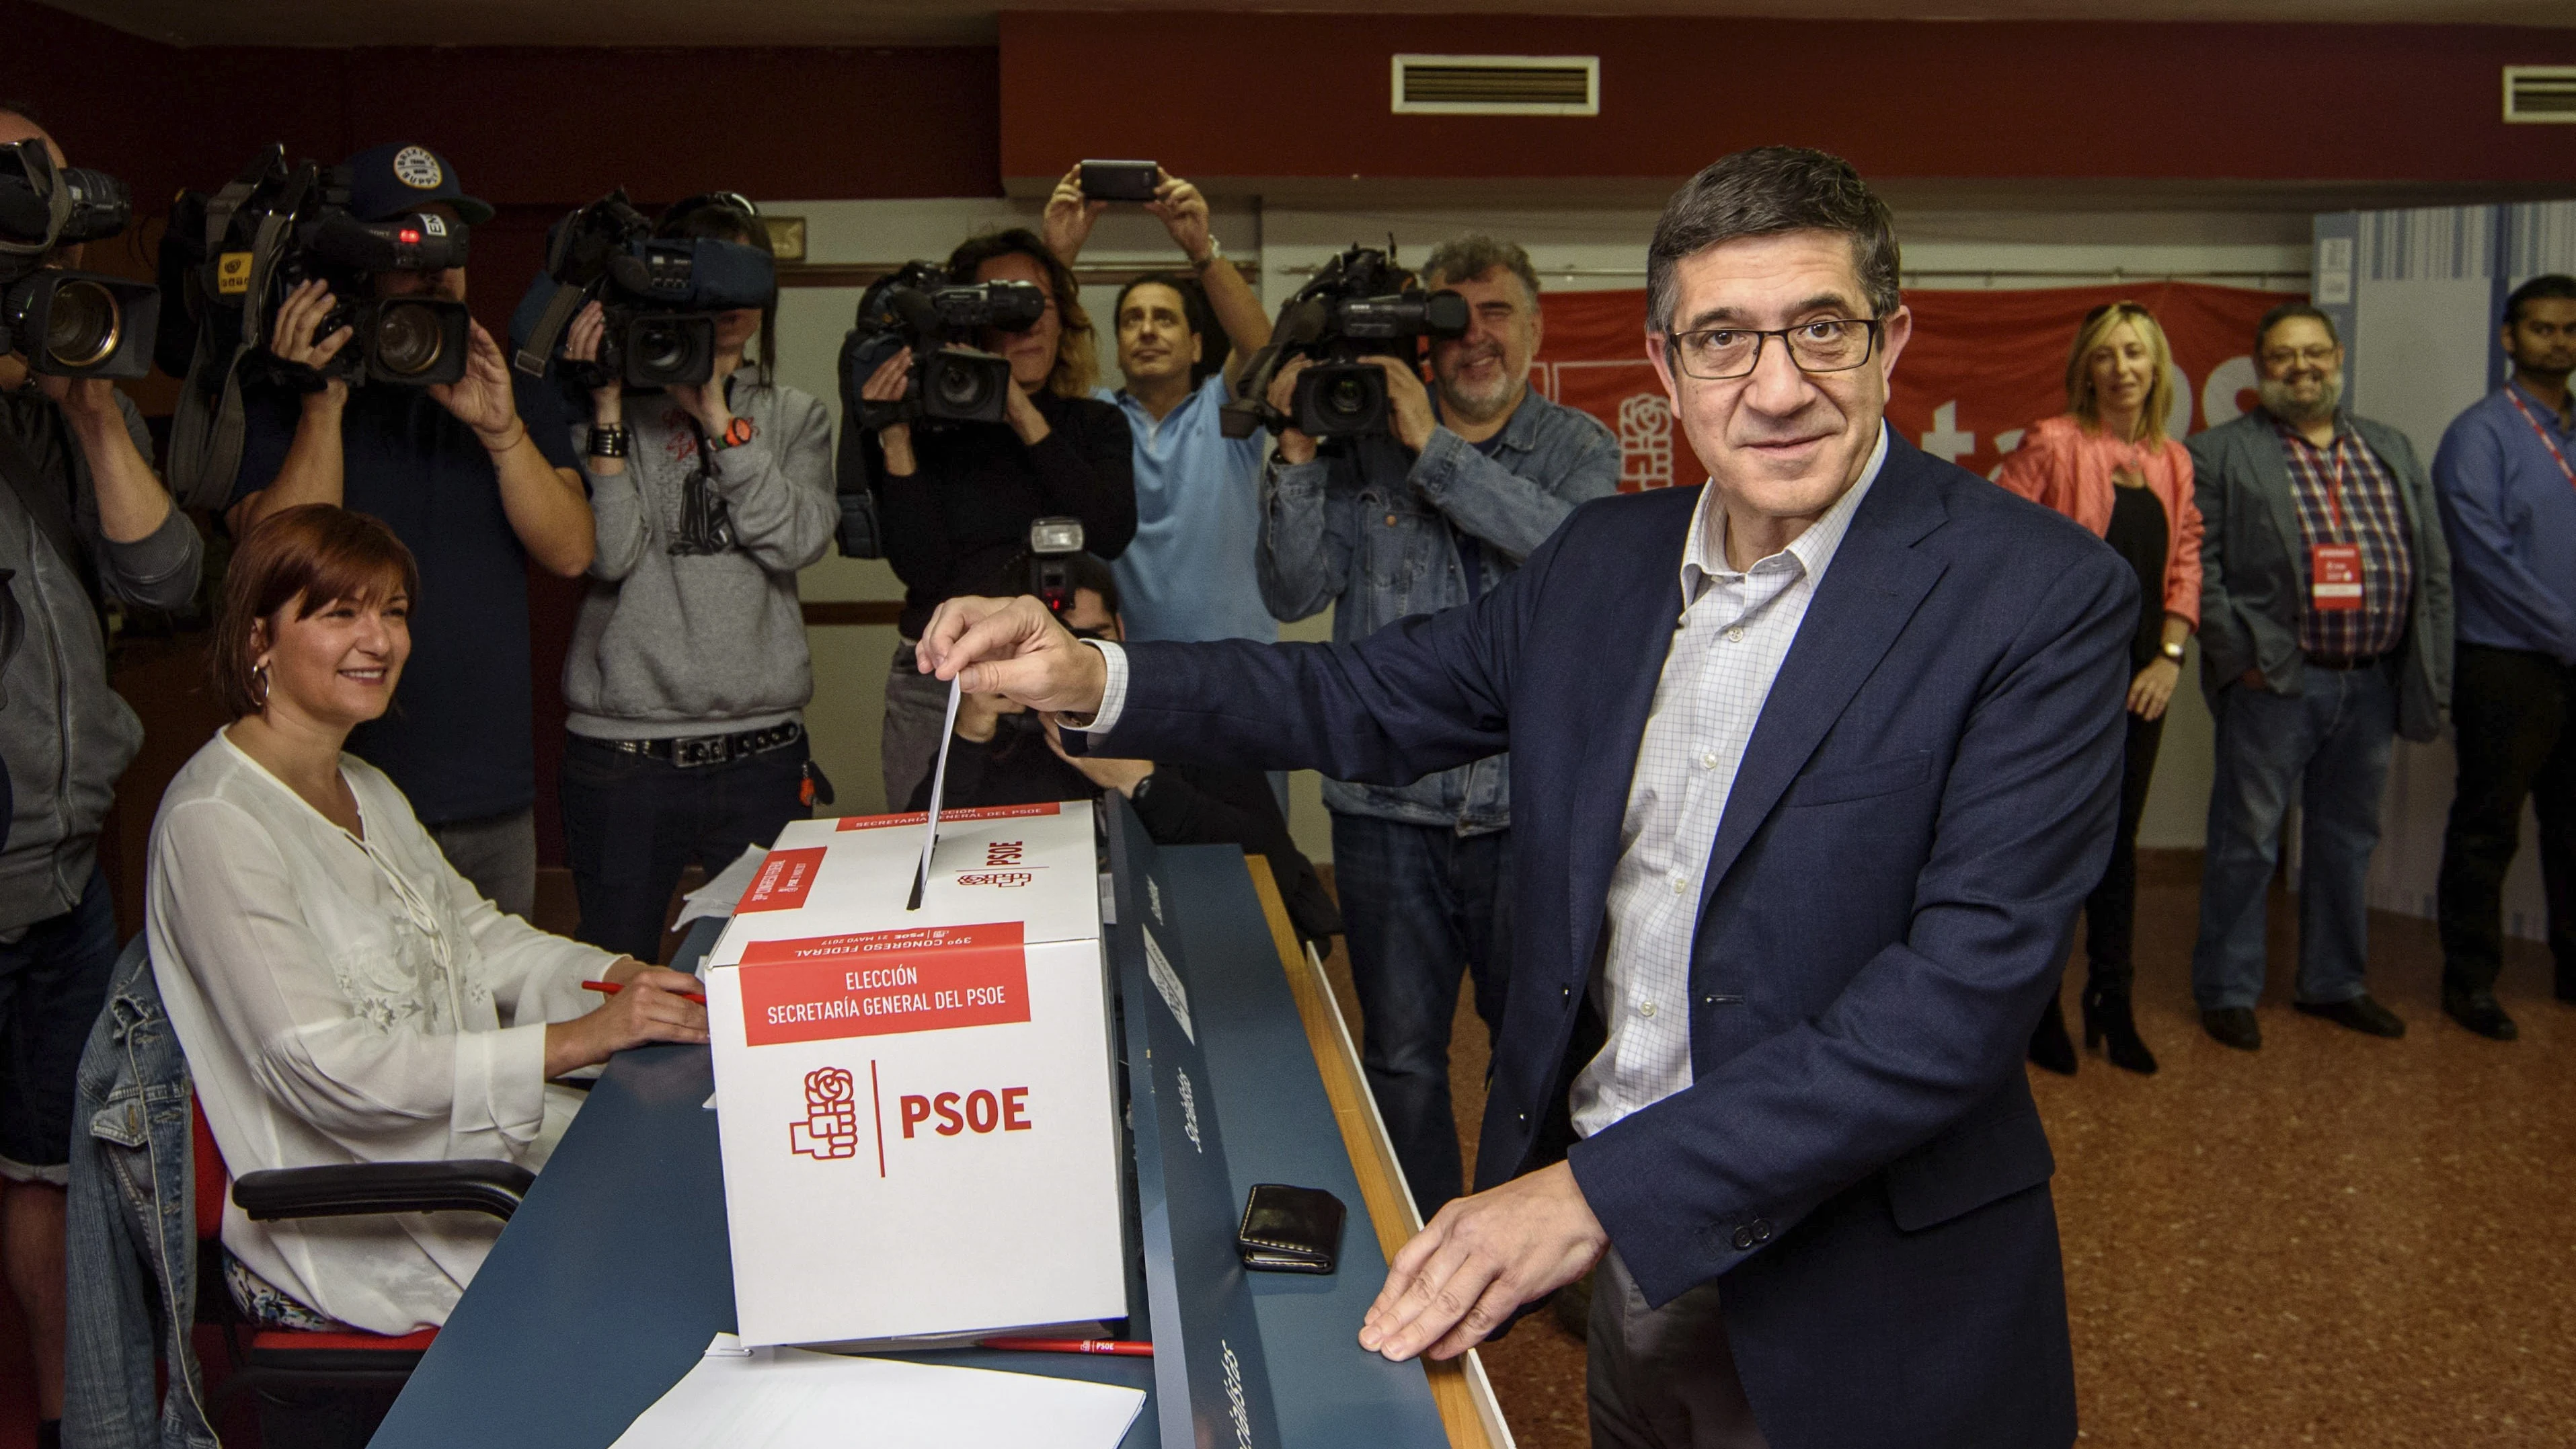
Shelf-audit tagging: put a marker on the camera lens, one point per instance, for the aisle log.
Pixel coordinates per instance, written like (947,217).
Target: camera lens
(409,340)
(961,389)
(82,326)
(1347,397)
(661,349)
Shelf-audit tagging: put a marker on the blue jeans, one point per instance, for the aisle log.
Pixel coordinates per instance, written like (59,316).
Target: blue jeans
(2330,742)
(1421,905)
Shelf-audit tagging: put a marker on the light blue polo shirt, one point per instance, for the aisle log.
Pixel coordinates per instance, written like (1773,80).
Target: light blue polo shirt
(1189,573)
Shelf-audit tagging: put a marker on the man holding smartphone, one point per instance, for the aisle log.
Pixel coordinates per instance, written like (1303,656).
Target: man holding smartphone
(1183,336)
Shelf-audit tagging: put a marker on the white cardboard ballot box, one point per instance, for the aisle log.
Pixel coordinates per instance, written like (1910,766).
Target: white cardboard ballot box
(916,1106)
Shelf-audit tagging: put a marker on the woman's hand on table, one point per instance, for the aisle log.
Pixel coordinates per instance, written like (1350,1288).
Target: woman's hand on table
(651,1008)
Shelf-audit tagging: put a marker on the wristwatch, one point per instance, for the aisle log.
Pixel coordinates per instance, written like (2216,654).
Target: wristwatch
(1215,254)
(736,433)
(2173,652)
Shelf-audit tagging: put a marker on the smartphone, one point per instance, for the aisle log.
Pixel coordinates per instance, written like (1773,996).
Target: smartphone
(1119,180)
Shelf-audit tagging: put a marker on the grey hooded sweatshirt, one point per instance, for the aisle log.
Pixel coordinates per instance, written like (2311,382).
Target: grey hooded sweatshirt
(685,633)
(64,735)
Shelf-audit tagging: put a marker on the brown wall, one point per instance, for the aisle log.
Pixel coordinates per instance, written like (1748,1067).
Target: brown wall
(1305,96)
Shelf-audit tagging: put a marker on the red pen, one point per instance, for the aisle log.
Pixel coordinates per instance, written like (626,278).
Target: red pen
(1125,1347)
(611,988)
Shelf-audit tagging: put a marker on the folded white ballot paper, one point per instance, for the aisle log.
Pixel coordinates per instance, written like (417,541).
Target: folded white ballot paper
(717,896)
(790,1398)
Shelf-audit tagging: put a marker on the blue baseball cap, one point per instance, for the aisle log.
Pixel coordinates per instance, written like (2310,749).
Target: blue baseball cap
(397,177)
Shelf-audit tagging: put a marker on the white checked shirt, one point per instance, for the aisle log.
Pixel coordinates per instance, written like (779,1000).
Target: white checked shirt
(1735,630)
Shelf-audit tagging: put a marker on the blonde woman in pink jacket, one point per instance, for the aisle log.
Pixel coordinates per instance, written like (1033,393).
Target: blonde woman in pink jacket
(2107,464)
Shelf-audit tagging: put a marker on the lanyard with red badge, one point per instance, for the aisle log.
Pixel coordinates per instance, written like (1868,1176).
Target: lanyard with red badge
(2546,441)
(2334,569)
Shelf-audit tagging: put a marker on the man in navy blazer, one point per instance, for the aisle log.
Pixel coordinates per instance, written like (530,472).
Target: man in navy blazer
(1816,764)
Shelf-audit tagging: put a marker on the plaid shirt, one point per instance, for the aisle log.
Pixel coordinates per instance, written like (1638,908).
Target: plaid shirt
(2371,516)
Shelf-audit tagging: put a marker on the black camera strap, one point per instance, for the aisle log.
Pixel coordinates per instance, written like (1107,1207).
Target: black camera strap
(706,525)
(539,349)
(207,427)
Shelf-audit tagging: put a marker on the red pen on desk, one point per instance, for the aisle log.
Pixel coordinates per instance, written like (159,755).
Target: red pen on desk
(1125,1347)
(611,988)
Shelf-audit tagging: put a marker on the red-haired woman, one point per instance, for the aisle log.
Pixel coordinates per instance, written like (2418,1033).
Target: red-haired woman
(2108,465)
(342,994)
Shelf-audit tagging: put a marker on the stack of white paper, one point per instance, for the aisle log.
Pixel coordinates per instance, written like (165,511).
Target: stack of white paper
(788,1398)
(717,896)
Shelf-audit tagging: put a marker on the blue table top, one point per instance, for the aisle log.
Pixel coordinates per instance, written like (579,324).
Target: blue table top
(606,1286)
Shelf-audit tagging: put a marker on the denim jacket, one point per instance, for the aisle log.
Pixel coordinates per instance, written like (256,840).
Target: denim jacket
(1373,528)
(132,1231)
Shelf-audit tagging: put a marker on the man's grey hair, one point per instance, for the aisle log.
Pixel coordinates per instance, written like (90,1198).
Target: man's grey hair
(1764,192)
(1465,258)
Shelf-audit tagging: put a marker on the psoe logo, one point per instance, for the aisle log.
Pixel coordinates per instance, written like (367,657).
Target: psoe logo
(1005,879)
(830,1127)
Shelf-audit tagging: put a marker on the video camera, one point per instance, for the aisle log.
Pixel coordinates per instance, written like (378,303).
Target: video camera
(68,324)
(921,308)
(660,297)
(1361,304)
(277,226)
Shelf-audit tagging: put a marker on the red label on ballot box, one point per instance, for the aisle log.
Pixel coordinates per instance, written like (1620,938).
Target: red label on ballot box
(877,982)
(946,817)
(783,880)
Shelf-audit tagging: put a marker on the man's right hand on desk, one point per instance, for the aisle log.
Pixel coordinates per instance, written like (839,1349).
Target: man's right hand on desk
(1015,648)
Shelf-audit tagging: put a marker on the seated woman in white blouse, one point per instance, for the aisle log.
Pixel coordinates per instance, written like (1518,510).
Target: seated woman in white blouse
(342,994)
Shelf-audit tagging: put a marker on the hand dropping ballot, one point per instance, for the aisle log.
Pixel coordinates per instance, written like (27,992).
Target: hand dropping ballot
(914,1080)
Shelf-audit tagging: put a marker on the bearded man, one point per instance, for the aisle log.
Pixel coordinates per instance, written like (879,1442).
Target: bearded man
(1434,513)
(2325,632)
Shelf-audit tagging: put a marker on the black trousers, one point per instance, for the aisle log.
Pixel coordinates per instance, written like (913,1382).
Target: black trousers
(632,824)
(2513,709)
(2111,912)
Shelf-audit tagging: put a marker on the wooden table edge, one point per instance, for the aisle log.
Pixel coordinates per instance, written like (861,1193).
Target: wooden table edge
(1464,1396)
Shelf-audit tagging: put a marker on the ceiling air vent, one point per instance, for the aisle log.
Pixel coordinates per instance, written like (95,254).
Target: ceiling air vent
(2540,93)
(1498,85)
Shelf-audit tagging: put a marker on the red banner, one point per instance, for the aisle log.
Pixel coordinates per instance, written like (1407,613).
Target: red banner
(1981,368)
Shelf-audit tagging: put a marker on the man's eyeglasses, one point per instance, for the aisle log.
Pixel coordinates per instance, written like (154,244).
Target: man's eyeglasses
(2313,356)
(1828,344)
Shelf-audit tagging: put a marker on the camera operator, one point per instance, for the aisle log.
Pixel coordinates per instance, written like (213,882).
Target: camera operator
(1389,526)
(473,492)
(82,514)
(688,674)
(956,500)
(1188,574)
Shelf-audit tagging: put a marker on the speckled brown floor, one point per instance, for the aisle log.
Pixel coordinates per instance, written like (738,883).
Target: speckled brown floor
(2335,1241)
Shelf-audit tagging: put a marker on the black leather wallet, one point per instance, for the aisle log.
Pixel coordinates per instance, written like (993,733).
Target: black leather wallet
(1290,1229)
